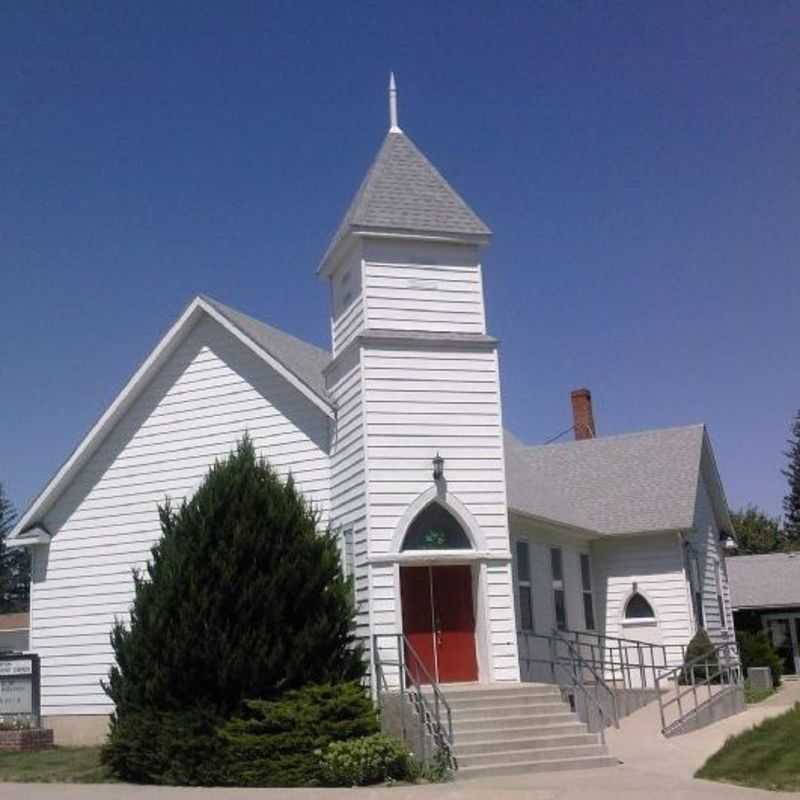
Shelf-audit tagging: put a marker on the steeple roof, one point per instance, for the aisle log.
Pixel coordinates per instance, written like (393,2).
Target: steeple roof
(404,192)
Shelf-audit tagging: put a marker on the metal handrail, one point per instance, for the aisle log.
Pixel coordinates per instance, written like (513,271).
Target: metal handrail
(598,679)
(612,655)
(574,666)
(438,696)
(728,675)
(430,715)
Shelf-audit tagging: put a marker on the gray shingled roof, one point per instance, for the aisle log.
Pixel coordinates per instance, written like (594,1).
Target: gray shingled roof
(305,360)
(771,580)
(404,191)
(615,484)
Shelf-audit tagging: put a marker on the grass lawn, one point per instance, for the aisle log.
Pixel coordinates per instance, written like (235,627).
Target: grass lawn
(765,757)
(757,695)
(59,765)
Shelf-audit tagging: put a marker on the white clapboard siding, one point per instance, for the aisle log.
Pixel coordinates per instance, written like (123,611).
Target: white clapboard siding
(347,325)
(347,490)
(424,297)
(705,540)
(655,563)
(419,401)
(208,394)
(347,302)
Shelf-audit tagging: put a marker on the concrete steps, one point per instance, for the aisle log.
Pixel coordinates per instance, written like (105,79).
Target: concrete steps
(505,730)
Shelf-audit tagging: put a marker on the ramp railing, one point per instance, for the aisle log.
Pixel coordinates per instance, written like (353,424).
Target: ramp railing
(686,690)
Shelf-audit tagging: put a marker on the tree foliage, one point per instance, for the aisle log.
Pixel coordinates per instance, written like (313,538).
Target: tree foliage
(278,742)
(791,502)
(700,648)
(15,564)
(243,598)
(756,650)
(756,531)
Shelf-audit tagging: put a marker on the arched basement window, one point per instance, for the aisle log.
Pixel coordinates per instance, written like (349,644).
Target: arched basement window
(638,608)
(435,528)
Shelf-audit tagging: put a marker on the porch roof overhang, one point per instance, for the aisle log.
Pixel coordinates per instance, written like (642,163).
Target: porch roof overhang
(563,527)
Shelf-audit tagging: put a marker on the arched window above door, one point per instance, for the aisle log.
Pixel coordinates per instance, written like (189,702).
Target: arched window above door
(638,608)
(435,528)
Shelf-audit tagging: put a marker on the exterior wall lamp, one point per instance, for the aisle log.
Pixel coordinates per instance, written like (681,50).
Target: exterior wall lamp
(438,467)
(727,541)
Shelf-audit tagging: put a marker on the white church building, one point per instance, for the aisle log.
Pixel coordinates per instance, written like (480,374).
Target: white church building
(457,534)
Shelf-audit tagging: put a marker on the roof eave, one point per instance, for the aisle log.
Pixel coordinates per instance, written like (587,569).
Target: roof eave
(337,248)
(29,537)
(126,397)
(555,523)
(645,532)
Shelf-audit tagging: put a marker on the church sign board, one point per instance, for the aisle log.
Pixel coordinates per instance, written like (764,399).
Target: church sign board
(20,685)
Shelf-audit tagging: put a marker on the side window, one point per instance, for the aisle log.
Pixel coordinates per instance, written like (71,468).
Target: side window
(524,588)
(695,583)
(638,608)
(348,557)
(720,602)
(586,585)
(559,598)
(346,290)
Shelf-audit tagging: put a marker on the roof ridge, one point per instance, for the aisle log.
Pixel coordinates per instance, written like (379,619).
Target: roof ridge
(612,437)
(224,307)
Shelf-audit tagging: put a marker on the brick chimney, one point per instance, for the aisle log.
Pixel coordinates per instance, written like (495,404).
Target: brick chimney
(582,416)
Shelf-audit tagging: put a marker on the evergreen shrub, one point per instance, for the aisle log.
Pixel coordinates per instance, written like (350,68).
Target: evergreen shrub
(700,645)
(243,598)
(279,742)
(756,650)
(174,748)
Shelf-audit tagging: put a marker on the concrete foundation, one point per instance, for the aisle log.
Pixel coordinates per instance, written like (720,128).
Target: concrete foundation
(399,718)
(78,730)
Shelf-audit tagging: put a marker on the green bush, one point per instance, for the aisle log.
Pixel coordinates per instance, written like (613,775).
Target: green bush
(173,748)
(437,770)
(279,742)
(363,761)
(700,645)
(756,650)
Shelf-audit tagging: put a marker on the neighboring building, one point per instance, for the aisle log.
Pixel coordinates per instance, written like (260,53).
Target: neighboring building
(618,534)
(765,595)
(14,632)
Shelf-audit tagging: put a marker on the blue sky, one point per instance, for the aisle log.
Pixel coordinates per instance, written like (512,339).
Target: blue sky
(638,163)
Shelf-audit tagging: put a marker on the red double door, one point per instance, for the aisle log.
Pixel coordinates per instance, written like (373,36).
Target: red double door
(439,623)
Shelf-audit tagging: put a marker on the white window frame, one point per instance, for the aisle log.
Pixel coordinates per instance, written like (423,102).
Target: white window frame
(559,585)
(524,584)
(586,558)
(348,552)
(723,620)
(695,585)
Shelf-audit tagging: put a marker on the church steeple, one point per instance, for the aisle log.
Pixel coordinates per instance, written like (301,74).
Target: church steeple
(404,194)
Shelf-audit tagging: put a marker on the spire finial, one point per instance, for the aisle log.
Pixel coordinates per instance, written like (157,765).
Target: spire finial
(393,126)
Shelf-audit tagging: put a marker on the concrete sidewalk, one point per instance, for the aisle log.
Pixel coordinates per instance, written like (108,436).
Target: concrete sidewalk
(653,768)
(640,746)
